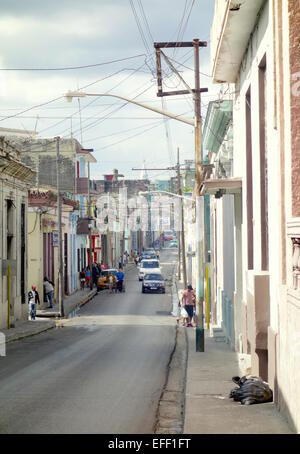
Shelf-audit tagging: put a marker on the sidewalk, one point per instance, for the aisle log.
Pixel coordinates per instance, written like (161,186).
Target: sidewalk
(208,409)
(71,303)
(26,328)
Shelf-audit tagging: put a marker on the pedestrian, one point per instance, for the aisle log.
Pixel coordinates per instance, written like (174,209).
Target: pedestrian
(82,278)
(136,259)
(110,282)
(33,300)
(188,303)
(49,292)
(125,258)
(104,265)
(120,279)
(95,274)
(87,276)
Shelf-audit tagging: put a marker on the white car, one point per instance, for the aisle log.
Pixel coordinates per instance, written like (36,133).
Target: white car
(147,266)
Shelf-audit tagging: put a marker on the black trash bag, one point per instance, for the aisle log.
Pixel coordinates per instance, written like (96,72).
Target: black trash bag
(251,390)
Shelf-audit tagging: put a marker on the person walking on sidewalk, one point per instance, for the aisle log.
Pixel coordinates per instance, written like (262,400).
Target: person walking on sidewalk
(33,300)
(188,302)
(87,276)
(95,274)
(82,278)
(49,291)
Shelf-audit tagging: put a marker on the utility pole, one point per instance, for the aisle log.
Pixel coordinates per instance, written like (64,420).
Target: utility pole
(59,217)
(182,223)
(180,235)
(200,238)
(90,228)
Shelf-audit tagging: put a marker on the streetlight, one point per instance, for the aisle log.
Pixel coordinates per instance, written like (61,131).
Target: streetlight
(196,122)
(80,94)
(166,192)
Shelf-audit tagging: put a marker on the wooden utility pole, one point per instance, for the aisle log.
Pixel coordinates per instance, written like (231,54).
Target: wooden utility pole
(90,229)
(180,235)
(59,218)
(200,237)
(182,223)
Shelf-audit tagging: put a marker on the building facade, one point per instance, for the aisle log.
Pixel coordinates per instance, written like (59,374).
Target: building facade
(255,50)
(14,185)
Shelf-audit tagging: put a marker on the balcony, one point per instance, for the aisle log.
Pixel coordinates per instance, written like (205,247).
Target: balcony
(231,30)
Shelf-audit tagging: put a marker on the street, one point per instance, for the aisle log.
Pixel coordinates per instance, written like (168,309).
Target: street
(103,371)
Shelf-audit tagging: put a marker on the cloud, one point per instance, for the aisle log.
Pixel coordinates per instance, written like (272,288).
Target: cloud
(71,33)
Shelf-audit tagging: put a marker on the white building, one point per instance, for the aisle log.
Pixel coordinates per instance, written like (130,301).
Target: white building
(255,50)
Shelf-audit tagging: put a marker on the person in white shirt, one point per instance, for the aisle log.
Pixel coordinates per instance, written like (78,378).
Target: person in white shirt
(33,300)
(110,283)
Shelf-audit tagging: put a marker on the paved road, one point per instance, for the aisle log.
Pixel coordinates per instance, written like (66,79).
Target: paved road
(102,372)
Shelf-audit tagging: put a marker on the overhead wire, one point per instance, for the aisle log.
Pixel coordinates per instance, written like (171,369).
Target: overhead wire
(71,68)
(137,134)
(97,122)
(93,100)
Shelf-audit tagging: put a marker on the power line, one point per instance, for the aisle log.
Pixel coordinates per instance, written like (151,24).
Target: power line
(135,135)
(68,68)
(95,99)
(97,122)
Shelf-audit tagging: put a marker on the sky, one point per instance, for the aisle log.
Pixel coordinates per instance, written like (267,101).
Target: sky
(43,44)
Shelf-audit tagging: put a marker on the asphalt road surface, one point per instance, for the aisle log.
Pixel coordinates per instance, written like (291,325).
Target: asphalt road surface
(102,372)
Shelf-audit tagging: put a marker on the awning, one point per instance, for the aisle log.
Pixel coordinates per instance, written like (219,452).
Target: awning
(221,186)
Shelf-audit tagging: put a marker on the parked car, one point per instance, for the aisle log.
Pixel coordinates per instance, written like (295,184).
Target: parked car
(148,266)
(153,282)
(169,235)
(173,243)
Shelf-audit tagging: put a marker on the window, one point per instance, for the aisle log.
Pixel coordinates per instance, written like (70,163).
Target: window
(10,230)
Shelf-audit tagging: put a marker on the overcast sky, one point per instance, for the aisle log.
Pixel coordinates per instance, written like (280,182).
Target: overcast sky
(71,33)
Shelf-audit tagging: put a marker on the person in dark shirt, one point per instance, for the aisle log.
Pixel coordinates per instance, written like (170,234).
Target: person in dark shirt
(120,279)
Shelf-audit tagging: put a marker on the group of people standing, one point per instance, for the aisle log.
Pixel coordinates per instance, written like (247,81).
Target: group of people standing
(123,260)
(85,274)
(34,298)
(116,281)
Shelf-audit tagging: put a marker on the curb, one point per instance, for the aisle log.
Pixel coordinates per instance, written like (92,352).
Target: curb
(171,408)
(30,334)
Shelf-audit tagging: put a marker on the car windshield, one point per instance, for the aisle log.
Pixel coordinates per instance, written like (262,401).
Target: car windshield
(153,277)
(150,264)
(107,272)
